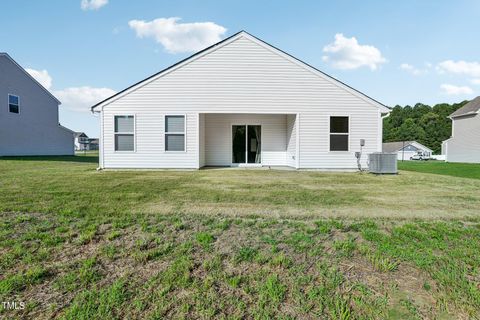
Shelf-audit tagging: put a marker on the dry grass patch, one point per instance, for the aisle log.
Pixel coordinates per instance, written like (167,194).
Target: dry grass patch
(81,244)
(194,266)
(70,185)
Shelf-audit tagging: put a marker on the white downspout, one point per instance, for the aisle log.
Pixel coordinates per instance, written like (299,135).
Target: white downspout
(199,141)
(100,140)
(380,133)
(297,141)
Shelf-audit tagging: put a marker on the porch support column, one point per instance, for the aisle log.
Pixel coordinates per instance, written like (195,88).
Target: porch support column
(198,140)
(101,141)
(297,142)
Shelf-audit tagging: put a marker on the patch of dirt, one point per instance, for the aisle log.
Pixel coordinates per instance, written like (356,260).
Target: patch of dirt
(405,283)
(50,301)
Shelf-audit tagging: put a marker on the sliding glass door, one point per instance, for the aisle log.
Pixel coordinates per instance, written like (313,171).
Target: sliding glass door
(253,144)
(239,143)
(246,144)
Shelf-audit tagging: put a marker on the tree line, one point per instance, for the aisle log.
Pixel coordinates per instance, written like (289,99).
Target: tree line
(422,123)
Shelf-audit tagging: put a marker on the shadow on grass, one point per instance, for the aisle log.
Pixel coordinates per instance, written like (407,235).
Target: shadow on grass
(83,159)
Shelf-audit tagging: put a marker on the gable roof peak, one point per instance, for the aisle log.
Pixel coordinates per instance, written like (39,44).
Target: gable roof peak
(471,108)
(242,33)
(29,75)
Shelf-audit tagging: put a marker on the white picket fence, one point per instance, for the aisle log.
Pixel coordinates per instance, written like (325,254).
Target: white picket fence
(438,157)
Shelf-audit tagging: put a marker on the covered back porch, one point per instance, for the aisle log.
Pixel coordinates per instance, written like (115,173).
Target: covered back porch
(249,140)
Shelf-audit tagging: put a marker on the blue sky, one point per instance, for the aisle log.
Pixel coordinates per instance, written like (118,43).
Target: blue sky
(398,52)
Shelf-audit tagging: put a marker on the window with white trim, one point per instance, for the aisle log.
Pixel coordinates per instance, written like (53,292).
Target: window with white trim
(339,133)
(124,133)
(174,133)
(13,103)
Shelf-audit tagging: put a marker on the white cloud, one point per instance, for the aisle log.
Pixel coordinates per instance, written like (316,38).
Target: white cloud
(450,89)
(82,98)
(92,4)
(73,98)
(475,81)
(347,53)
(41,76)
(411,69)
(471,69)
(179,37)
(414,70)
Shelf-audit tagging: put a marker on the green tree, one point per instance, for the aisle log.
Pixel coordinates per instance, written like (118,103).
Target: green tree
(409,130)
(433,137)
(423,123)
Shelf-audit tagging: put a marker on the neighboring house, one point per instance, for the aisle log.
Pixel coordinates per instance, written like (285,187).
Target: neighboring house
(83,142)
(464,144)
(29,115)
(240,102)
(407,149)
(80,141)
(93,143)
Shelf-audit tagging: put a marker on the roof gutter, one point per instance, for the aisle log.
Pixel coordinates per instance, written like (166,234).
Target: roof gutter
(463,115)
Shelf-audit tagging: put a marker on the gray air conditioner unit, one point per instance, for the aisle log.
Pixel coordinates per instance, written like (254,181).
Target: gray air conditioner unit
(382,162)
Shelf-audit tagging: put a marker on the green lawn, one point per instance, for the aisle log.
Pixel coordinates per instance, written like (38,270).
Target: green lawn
(89,153)
(464,170)
(80,244)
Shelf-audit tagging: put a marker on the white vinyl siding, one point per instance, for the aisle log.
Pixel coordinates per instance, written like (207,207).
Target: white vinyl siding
(291,140)
(314,151)
(150,146)
(464,145)
(201,140)
(244,78)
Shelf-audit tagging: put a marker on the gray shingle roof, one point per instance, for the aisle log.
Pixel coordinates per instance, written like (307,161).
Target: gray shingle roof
(394,146)
(470,108)
(80,134)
